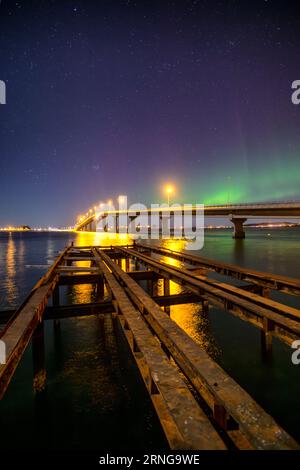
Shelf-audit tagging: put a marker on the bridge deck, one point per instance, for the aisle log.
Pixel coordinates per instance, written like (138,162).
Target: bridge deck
(198,404)
(267,210)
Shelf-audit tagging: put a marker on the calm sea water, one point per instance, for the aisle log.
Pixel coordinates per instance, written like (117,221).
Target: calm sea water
(95,398)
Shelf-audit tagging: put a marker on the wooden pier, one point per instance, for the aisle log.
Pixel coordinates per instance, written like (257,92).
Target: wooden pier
(198,404)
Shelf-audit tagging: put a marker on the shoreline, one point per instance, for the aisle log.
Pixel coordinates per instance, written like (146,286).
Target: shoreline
(218,227)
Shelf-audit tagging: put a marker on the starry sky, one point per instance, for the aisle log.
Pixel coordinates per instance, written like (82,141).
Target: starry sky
(119,97)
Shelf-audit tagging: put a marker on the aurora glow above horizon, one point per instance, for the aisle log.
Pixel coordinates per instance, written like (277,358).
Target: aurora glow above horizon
(108,98)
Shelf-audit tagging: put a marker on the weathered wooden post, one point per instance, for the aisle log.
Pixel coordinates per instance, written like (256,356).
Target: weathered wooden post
(102,327)
(55,303)
(205,307)
(100,288)
(114,318)
(154,286)
(166,287)
(150,287)
(266,292)
(38,356)
(266,337)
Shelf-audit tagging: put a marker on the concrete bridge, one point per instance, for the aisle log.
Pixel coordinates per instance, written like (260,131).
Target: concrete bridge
(236,213)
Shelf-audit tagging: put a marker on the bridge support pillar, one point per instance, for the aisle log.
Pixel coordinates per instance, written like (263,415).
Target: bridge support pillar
(238,230)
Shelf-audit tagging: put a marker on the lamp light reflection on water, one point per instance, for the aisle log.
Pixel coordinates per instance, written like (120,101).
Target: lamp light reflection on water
(189,317)
(10,284)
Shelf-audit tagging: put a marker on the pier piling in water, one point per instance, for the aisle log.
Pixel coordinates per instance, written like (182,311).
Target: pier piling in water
(38,356)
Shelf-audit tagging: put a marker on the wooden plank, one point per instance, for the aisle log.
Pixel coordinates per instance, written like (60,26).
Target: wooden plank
(19,329)
(48,277)
(236,304)
(244,293)
(176,299)
(75,279)
(19,333)
(102,247)
(274,281)
(184,423)
(78,310)
(272,305)
(143,275)
(75,269)
(105,306)
(215,386)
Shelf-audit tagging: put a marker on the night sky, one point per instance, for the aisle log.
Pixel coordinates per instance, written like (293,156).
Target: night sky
(118,97)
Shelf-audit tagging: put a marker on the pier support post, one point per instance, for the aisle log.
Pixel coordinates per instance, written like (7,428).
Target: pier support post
(166,282)
(115,325)
(69,263)
(100,289)
(266,337)
(152,286)
(38,356)
(55,302)
(238,231)
(205,307)
(264,292)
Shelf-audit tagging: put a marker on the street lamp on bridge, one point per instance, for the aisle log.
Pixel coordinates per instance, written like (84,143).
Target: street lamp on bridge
(169,189)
